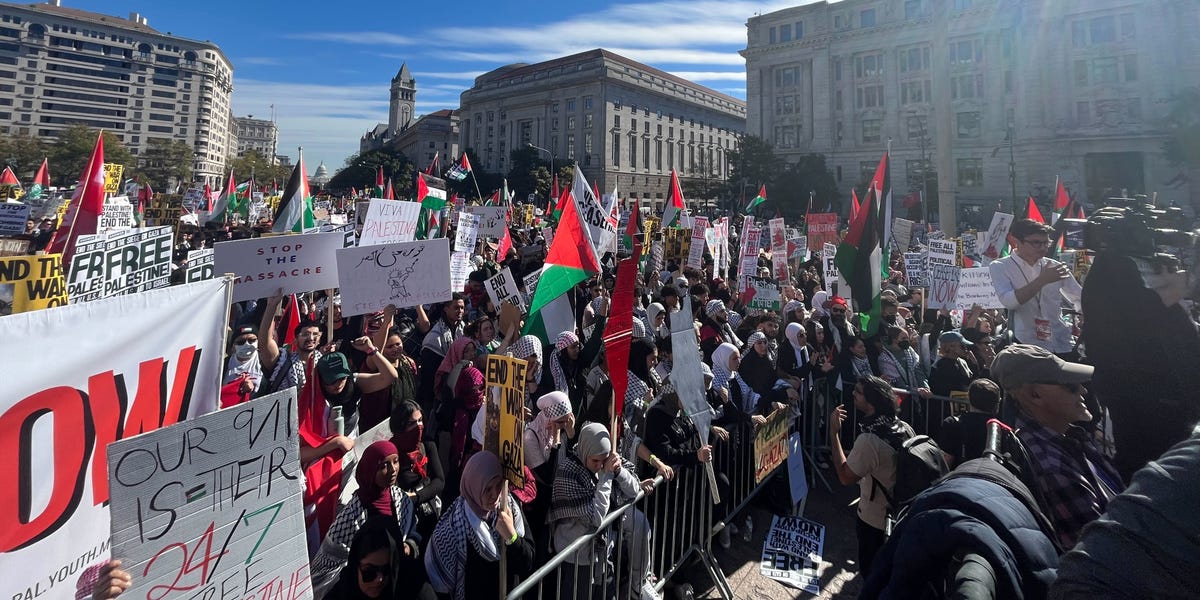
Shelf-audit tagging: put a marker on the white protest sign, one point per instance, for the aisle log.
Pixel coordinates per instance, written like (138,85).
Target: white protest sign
(117,216)
(799,248)
(460,270)
(767,295)
(792,552)
(828,253)
(360,214)
(530,281)
(389,222)
(199,265)
(408,274)
(696,250)
(748,262)
(13,217)
(91,374)
(779,257)
(123,262)
(902,232)
(975,287)
(467,232)
(943,252)
(296,263)
(943,286)
(997,235)
(914,268)
(492,220)
(601,225)
(220,491)
(970,244)
(502,287)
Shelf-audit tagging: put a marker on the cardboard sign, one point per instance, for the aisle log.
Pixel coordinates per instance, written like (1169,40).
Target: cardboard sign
(502,287)
(997,234)
(975,287)
(389,222)
(779,256)
(822,229)
(767,295)
(770,445)
(212,505)
(492,220)
(676,245)
(112,178)
(943,286)
(13,217)
(695,255)
(132,364)
(799,248)
(460,270)
(200,265)
(360,214)
(902,233)
(914,269)
(408,274)
(117,216)
(124,262)
(161,213)
(467,232)
(504,429)
(296,263)
(792,553)
(31,283)
(530,281)
(943,252)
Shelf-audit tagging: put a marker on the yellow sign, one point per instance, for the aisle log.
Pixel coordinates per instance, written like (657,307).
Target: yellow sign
(770,445)
(505,424)
(112,177)
(31,283)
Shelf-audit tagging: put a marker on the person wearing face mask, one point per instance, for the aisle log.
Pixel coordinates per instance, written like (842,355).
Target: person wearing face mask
(900,365)
(244,363)
(420,475)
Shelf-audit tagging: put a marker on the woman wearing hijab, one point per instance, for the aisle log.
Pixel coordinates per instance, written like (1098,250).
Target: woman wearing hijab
(656,320)
(544,440)
(566,366)
(756,368)
(462,352)
(529,349)
(463,556)
(467,413)
(420,470)
(377,495)
(371,569)
(740,402)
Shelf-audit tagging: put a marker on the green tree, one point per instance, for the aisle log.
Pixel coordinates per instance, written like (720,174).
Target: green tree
(360,170)
(700,181)
(70,153)
(752,163)
(1182,123)
(165,160)
(809,175)
(24,153)
(252,162)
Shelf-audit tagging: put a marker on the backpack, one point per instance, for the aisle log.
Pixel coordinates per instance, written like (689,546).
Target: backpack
(919,463)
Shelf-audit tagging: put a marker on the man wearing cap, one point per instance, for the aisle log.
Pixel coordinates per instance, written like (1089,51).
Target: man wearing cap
(1075,478)
(837,324)
(1033,287)
(954,369)
(342,387)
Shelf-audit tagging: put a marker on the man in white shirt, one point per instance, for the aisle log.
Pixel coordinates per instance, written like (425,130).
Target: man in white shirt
(1032,287)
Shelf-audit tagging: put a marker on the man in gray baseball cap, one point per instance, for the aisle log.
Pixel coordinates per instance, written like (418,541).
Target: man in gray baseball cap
(1075,477)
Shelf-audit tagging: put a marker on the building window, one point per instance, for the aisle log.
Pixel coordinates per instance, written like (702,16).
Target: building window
(658,155)
(913,92)
(866,170)
(616,121)
(914,59)
(970,172)
(771,36)
(570,146)
(869,65)
(1104,70)
(785,136)
(966,86)
(570,105)
(799,30)
(670,155)
(587,121)
(787,77)
(866,18)
(632,151)
(837,69)
(587,103)
(616,149)
(491,116)
(554,124)
(646,153)
(785,33)
(912,9)
(1083,115)
(869,96)
(571,122)
(1008,82)
(785,105)
(1131,67)
(969,125)
(838,99)
(966,52)
(1102,30)
(871,130)
(587,143)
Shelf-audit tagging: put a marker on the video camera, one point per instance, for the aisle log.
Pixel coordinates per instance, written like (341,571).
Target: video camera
(1135,227)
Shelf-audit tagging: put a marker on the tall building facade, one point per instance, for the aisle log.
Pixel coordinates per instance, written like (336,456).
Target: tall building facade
(60,65)
(624,123)
(998,97)
(432,136)
(259,135)
(402,109)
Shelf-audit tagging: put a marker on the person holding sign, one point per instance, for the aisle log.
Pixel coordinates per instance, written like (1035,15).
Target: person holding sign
(1033,288)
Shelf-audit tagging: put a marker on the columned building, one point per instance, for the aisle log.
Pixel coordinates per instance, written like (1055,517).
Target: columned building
(61,65)
(624,123)
(259,135)
(432,136)
(999,97)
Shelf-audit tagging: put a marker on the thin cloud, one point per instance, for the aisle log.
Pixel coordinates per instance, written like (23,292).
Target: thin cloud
(711,75)
(260,60)
(354,37)
(463,75)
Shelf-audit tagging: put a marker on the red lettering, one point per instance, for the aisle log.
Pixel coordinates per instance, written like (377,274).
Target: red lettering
(108,404)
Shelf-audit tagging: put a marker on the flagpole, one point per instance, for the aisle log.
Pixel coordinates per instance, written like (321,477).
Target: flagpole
(476,181)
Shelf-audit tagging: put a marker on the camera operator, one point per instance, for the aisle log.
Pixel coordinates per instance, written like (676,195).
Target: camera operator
(1033,287)
(1143,344)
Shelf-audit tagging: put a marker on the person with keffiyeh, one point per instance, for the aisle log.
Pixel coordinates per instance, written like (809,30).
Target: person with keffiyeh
(545,438)
(420,475)
(566,367)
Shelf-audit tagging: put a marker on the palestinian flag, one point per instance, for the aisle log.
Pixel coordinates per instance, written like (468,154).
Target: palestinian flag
(1033,212)
(569,262)
(379,183)
(858,258)
(432,168)
(633,228)
(674,206)
(41,182)
(759,199)
(1061,201)
(556,214)
(9,182)
(145,196)
(83,212)
(227,203)
(208,198)
(295,212)
(855,206)
(551,201)
(881,185)
(388,194)
(430,198)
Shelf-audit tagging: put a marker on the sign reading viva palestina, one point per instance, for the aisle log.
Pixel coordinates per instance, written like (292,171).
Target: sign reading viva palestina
(82,377)
(408,274)
(122,262)
(211,507)
(296,263)
(389,222)
(30,283)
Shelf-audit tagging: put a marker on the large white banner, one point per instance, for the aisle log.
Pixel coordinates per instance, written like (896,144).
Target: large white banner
(295,263)
(121,262)
(389,222)
(408,274)
(492,220)
(220,490)
(77,378)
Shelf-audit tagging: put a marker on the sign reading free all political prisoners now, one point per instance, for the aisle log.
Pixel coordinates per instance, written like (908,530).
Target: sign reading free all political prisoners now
(211,507)
(122,262)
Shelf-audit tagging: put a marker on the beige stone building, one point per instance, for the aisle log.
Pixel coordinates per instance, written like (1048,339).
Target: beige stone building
(61,65)
(625,124)
(1058,88)
(260,135)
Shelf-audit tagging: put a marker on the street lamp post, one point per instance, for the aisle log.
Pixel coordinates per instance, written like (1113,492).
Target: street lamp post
(551,155)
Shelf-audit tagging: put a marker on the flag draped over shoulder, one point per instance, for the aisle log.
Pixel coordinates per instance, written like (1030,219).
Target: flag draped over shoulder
(570,261)
(87,203)
(759,199)
(295,206)
(858,258)
(673,208)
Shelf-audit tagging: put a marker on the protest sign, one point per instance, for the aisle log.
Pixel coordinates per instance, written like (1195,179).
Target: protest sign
(460,270)
(112,178)
(914,269)
(798,247)
(748,261)
(997,233)
(822,229)
(943,286)
(360,214)
(90,375)
(770,445)
(13,217)
(792,552)
(502,287)
(942,252)
(937,234)
(116,216)
(676,245)
(656,255)
(492,220)
(767,295)
(161,213)
(969,245)
(467,232)
(696,249)
(200,265)
(797,478)
(13,247)
(505,419)
(779,255)
(408,274)
(220,491)
(389,222)
(296,263)
(123,262)
(530,281)
(975,287)
(902,232)
(31,283)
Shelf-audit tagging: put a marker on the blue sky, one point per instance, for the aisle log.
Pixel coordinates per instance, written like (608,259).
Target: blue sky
(326,66)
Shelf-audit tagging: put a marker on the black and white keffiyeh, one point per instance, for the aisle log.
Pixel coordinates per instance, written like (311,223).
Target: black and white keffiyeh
(446,555)
(335,548)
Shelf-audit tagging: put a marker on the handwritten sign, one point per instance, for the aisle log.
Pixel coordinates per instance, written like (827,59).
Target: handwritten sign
(296,263)
(200,265)
(492,220)
(211,507)
(124,262)
(914,269)
(792,552)
(748,262)
(13,217)
(31,283)
(997,234)
(467,232)
(112,177)
(975,287)
(505,425)
(530,281)
(502,287)
(902,230)
(943,286)
(770,445)
(407,274)
(389,222)
(822,229)
(779,255)
(696,250)
(460,270)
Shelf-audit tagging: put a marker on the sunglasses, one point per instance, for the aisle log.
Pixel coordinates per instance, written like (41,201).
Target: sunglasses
(371,573)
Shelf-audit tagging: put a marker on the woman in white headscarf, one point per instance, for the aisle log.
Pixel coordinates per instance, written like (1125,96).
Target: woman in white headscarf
(656,321)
